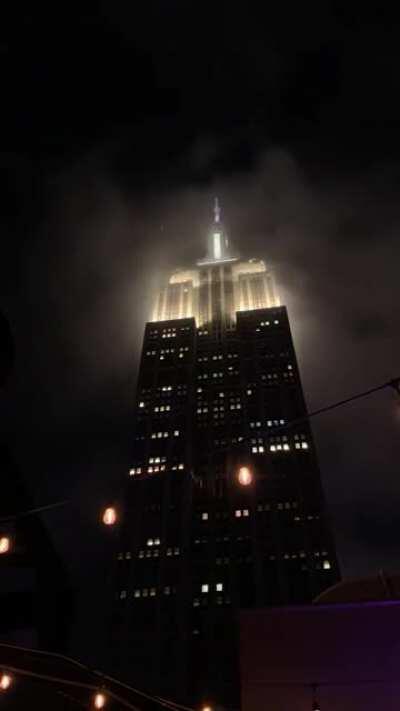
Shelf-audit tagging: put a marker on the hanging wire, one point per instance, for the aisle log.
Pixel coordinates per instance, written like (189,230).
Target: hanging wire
(394,383)
(101,678)
(32,512)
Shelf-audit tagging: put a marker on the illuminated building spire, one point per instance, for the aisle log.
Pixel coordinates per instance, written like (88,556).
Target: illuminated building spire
(217,211)
(217,241)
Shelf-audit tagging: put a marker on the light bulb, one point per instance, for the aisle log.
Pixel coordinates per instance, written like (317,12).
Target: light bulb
(5,544)
(5,681)
(99,701)
(109,516)
(245,476)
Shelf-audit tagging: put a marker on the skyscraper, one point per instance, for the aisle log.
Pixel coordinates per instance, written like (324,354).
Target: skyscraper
(224,508)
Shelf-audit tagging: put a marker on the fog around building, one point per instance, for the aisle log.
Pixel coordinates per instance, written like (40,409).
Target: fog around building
(91,272)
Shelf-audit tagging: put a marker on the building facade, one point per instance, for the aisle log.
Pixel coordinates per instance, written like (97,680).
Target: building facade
(218,395)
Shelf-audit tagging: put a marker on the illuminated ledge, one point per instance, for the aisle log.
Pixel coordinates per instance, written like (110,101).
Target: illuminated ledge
(209,262)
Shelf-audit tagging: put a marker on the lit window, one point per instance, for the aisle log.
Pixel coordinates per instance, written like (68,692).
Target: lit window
(219,587)
(204,588)
(141,404)
(122,595)
(150,542)
(136,593)
(326,565)
(245,512)
(176,433)
(238,513)
(204,516)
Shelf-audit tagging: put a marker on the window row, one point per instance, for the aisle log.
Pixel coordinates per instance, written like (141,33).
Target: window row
(238,513)
(224,442)
(150,592)
(256,424)
(286,505)
(263,324)
(218,374)
(203,602)
(205,358)
(155,552)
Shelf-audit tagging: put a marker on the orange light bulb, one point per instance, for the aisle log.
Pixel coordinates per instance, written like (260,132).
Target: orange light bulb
(245,477)
(110,516)
(5,681)
(5,544)
(99,701)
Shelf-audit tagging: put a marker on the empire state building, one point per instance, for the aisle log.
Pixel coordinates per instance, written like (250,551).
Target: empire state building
(224,508)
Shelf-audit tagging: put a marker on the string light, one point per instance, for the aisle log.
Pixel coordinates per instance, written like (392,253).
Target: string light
(109,518)
(5,544)
(99,701)
(245,476)
(5,681)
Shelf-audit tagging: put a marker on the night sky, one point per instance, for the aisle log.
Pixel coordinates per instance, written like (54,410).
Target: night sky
(119,125)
